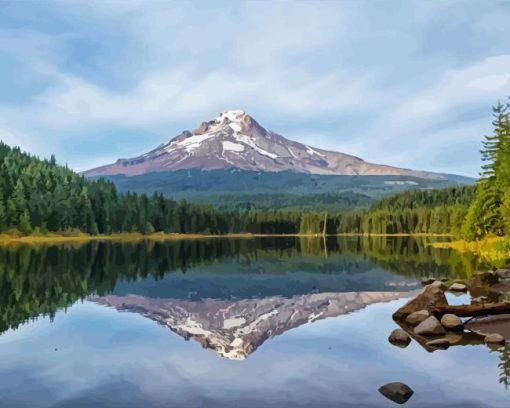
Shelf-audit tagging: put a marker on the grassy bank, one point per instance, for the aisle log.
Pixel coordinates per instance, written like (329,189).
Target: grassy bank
(54,238)
(77,237)
(490,248)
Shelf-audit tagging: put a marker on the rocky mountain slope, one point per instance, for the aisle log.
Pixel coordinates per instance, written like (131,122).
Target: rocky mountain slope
(235,140)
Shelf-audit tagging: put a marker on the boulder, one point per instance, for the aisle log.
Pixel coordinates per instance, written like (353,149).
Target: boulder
(429,298)
(439,343)
(488,277)
(494,338)
(481,283)
(427,281)
(458,287)
(439,284)
(451,322)
(417,317)
(430,327)
(503,273)
(399,338)
(397,392)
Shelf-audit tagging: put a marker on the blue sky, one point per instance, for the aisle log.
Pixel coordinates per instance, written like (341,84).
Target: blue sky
(406,83)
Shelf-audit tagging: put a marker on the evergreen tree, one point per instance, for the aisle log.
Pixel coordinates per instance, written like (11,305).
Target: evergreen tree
(24,223)
(486,212)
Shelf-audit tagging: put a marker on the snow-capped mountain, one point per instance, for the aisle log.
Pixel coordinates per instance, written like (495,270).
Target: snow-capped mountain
(235,140)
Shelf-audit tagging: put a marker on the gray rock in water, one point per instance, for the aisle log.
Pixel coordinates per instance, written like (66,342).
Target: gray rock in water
(451,322)
(397,392)
(430,327)
(439,343)
(494,338)
(428,298)
(458,287)
(417,317)
(399,338)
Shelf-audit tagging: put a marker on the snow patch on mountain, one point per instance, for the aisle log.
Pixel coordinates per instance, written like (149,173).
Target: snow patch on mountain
(248,140)
(312,151)
(190,143)
(233,147)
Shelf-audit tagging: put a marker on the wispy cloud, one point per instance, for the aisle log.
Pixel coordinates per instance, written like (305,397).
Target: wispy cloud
(351,75)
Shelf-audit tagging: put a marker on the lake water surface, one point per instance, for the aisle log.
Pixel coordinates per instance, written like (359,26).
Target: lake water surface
(276,322)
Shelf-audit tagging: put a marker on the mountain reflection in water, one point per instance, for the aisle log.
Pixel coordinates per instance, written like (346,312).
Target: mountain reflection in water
(236,329)
(40,280)
(314,310)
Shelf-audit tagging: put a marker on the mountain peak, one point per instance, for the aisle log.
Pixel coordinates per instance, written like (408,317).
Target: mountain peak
(235,140)
(237,120)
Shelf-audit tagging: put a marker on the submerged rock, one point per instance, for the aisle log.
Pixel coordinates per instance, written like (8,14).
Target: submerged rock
(494,338)
(417,317)
(427,299)
(399,338)
(439,343)
(451,322)
(397,392)
(454,338)
(430,327)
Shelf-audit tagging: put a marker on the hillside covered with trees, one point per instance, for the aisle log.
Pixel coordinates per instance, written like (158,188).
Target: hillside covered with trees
(37,196)
(40,196)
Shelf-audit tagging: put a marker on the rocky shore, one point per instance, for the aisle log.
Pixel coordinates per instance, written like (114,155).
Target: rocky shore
(429,320)
(435,325)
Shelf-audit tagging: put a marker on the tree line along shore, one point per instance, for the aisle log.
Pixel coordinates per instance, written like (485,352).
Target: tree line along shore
(43,200)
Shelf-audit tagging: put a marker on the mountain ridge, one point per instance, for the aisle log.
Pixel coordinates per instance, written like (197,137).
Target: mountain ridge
(234,140)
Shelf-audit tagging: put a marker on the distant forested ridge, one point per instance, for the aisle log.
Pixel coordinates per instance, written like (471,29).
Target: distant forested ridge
(286,190)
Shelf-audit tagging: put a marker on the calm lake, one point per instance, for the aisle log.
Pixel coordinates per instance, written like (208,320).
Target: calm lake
(273,322)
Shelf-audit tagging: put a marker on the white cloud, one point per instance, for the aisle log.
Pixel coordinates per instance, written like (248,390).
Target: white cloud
(482,82)
(282,60)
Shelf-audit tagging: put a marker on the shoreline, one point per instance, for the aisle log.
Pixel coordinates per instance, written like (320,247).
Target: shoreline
(54,238)
(490,248)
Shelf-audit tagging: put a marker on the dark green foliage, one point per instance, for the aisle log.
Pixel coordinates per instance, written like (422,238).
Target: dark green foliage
(504,365)
(427,198)
(411,212)
(490,211)
(39,194)
(332,202)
